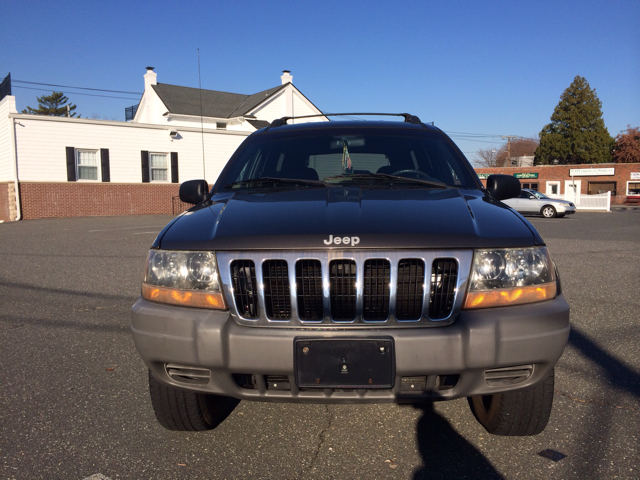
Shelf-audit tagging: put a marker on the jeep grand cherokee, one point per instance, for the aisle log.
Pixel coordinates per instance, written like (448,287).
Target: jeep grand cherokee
(351,262)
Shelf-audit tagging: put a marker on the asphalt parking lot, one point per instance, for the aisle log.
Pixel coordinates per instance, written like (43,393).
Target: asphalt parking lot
(74,401)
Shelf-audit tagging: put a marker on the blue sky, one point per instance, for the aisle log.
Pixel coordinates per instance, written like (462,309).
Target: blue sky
(494,68)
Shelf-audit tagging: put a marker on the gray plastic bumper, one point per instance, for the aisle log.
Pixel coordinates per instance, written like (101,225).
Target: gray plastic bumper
(477,341)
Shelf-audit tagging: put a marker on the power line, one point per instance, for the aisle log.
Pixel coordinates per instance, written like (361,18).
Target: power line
(75,93)
(473,134)
(472,140)
(80,88)
(509,137)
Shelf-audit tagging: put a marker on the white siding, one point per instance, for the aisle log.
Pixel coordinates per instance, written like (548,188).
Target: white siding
(274,108)
(177,121)
(301,107)
(42,141)
(151,108)
(7,106)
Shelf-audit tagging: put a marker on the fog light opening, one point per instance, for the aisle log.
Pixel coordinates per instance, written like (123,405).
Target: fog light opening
(446,382)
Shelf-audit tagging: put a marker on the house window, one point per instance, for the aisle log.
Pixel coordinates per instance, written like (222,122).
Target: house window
(87,164)
(633,188)
(221,125)
(531,186)
(158,167)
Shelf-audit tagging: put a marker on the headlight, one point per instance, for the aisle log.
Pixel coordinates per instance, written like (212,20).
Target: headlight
(183,278)
(510,277)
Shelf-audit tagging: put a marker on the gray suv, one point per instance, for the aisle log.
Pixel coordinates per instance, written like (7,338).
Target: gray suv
(351,262)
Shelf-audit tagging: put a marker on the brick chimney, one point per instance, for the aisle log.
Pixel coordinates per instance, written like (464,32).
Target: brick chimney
(286,77)
(150,78)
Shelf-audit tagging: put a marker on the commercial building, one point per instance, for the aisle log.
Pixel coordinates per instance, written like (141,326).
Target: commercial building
(577,182)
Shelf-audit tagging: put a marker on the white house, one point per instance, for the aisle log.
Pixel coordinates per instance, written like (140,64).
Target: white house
(61,166)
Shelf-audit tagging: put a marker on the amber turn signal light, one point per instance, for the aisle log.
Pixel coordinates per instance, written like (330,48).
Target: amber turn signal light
(184,298)
(510,296)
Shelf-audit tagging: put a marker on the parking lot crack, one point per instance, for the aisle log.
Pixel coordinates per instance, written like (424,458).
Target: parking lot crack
(322,436)
(94,308)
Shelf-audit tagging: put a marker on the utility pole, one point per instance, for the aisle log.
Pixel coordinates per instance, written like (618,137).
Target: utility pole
(509,137)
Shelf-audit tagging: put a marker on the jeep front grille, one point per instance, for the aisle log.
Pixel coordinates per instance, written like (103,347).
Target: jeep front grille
(375,297)
(245,291)
(342,288)
(443,284)
(277,298)
(410,289)
(309,288)
(349,288)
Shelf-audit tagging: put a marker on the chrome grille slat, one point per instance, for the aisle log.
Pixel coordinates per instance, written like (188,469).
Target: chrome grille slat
(377,276)
(309,290)
(409,298)
(277,297)
(443,277)
(342,290)
(243,276)
(366,287)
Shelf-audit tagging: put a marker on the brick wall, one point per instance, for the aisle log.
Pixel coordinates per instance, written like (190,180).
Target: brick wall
(560,173)
(40,200)
(5,214)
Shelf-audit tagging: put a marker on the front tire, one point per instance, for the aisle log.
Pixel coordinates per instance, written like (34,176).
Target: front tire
(548,211)
(184,410)
(519,413)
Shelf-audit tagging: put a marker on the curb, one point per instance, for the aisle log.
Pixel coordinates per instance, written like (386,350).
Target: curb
(625,207)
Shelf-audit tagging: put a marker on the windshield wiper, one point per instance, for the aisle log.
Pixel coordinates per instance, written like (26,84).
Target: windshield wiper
(274,180)
(386,176)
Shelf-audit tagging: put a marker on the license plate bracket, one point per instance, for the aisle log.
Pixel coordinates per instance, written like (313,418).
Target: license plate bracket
(344,363)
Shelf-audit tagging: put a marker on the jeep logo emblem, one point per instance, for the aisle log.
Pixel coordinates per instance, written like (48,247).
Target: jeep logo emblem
(342,240)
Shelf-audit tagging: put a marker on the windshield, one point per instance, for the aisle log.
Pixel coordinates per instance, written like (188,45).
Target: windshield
(366,157)
(539,195)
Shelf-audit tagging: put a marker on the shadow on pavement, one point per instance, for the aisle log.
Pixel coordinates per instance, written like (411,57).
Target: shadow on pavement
(445,453)
(64,291)
(619,375)
(12,322)
(600,424)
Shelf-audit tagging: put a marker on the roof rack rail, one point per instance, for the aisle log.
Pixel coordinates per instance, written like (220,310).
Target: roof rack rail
(408,118)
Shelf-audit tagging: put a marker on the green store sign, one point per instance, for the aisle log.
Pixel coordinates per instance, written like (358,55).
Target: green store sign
(484,176)
(525,175)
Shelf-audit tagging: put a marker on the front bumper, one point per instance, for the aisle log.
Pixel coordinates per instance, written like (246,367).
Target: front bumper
(565,208)
(477,341)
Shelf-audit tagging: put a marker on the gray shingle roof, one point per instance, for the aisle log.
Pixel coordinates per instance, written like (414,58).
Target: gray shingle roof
(186,101)
(258,124)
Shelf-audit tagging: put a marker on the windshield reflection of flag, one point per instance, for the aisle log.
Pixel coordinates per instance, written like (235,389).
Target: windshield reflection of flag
(346,159)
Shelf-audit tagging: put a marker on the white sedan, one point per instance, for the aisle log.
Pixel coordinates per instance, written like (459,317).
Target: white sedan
(536,203)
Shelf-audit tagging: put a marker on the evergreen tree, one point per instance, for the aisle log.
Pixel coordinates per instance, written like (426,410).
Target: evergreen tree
(54,104)
(577,133)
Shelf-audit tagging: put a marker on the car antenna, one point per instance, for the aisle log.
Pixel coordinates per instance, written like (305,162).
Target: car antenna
(204,174)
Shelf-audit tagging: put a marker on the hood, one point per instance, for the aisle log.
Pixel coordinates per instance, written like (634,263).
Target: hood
(314,218)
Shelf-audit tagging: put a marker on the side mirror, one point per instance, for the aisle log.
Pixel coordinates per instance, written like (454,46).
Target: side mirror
(502,187)
(194,191)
